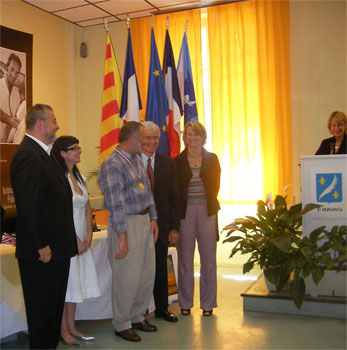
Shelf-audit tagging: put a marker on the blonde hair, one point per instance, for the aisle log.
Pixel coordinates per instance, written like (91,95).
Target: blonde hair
(198,129)
(340,117)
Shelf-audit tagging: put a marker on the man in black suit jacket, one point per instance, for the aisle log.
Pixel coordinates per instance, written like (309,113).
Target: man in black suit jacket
(166,198)
(45,230)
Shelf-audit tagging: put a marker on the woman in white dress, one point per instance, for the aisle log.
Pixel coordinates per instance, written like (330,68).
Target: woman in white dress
(83,281)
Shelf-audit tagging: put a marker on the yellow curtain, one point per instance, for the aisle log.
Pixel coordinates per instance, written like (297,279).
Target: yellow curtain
(141,41)
(250,97)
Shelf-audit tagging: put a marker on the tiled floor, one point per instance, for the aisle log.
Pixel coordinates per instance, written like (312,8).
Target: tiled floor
(228,328)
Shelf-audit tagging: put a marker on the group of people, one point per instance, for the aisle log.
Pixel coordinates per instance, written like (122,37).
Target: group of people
(153,201)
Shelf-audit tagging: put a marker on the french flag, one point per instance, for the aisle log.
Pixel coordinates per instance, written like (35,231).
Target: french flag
(131,101)
(173,97)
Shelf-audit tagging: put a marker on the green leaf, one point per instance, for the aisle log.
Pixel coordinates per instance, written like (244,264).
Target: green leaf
(248,266)
(283,243)
(280,202)
(261,209)
(297,291)
(317,275)
(232,239)
(316,233)
(273,274)
(309,207)
(295,209)
(306,252)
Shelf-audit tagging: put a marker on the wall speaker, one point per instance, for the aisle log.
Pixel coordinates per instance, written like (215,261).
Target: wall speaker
(83,50)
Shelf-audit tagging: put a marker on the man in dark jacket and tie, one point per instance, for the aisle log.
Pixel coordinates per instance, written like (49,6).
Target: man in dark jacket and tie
(45,230)
(162,173)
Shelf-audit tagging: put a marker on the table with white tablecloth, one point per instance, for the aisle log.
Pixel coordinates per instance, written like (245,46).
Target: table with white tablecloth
(12,309)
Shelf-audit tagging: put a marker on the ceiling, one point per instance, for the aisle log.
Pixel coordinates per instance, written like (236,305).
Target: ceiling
(86,13)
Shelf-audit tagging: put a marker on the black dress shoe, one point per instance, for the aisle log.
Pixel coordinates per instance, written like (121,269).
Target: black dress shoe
(166,315)
(145,326)
(128,334)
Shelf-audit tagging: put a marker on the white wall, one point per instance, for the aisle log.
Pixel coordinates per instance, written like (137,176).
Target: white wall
(317,72)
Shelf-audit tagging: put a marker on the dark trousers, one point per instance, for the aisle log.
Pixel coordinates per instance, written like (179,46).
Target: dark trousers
(160,291)
(44,289)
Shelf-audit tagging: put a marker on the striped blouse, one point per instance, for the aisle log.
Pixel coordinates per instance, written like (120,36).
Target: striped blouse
(196,190)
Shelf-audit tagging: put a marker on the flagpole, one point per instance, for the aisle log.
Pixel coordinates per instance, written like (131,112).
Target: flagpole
(186,26)
(128,22)
(106,25)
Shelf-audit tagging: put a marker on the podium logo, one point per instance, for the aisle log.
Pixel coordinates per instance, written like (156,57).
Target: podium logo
(329,187)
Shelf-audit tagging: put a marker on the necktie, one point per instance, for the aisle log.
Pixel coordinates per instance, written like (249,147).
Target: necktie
(150,174)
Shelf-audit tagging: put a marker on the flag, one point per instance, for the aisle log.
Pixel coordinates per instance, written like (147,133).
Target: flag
(173,97)
(131,101)
(185,82)
(111,96)
(157,109)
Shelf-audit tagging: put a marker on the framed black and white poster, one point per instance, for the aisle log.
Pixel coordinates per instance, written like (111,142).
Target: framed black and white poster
(15,83)
(15,98)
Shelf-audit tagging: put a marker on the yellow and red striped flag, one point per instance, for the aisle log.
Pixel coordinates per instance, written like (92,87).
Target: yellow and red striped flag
(111,98)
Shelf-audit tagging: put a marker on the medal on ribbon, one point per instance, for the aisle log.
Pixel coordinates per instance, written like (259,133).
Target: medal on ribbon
(138,174)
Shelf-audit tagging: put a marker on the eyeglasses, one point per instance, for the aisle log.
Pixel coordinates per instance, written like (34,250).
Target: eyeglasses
(74,148)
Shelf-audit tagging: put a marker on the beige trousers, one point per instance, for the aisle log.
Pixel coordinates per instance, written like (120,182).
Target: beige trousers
(133,276)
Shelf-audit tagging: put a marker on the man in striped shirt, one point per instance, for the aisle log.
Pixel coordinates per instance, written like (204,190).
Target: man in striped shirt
(132,232)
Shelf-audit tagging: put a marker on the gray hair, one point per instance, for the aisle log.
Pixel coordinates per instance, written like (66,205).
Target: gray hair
(36,112)
(150,126)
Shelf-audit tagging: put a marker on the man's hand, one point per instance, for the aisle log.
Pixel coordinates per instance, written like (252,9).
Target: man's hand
(173,237)
(122,246)
(45,254)
(154,230)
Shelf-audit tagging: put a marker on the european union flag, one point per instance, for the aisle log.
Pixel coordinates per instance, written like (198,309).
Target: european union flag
(329,187)
(157,104)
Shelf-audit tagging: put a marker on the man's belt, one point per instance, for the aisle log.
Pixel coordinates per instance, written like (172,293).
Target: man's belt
(143,212)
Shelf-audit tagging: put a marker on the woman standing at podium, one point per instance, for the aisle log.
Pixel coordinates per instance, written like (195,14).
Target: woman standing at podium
(337,143)
(83,281)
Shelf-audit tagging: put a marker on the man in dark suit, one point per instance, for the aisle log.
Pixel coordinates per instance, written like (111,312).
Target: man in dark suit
(45,230)
(162,173)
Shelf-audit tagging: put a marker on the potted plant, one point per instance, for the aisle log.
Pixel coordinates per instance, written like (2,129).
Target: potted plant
(333,242)
(275,242)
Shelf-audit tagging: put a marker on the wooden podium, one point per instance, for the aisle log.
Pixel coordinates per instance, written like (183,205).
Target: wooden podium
(324,182)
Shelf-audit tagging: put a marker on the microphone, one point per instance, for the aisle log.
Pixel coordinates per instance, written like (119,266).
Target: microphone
(332,147)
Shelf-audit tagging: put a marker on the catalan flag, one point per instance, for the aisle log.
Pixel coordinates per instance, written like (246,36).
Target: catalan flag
(111,97)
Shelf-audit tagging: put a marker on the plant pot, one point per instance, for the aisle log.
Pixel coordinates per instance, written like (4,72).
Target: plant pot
(271,287)
(332,284)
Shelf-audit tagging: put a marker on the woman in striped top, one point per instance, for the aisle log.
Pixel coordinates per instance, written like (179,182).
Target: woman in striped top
(199,180)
